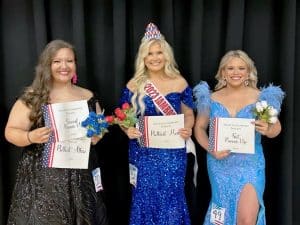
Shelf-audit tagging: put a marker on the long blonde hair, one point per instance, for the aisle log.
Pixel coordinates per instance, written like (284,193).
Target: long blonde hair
(141,73)
(37,94)
(252,79)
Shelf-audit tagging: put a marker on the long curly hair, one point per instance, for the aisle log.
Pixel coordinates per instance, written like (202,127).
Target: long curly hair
(37,94)
(252,79)
(141,72)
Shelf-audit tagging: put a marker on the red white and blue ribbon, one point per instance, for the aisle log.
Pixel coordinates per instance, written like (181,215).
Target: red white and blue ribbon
(159,100)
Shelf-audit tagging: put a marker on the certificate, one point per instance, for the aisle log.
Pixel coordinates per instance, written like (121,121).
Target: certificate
(235,134)
(161,131)
(65,119)
(67,154)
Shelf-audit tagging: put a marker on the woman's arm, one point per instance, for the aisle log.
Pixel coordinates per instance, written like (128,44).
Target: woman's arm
(189,120)
(17,130)
(267,129)
(200,131)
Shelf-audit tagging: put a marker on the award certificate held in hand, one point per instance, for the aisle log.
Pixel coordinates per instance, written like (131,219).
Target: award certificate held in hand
(68,146)
(234,134)
(161,131)
(65,119)
(71,154)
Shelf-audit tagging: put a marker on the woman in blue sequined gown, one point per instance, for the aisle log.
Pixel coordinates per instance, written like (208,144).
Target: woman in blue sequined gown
(158,196)
(237,180)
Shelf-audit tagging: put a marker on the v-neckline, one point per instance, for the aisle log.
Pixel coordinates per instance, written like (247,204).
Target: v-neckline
(237,113)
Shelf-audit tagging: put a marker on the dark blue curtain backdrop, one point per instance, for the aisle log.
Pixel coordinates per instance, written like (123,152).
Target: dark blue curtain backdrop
(107,33)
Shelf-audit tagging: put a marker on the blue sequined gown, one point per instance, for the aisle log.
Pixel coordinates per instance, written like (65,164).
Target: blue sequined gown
(158,198)
(228,176)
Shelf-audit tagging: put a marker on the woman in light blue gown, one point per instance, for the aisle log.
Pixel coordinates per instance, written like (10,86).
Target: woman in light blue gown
(237,180)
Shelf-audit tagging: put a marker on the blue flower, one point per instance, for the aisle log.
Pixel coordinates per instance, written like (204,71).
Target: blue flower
(96,124)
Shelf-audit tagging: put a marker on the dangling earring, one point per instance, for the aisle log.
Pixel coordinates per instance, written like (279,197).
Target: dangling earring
(74,79)
(246,83)
(224,82)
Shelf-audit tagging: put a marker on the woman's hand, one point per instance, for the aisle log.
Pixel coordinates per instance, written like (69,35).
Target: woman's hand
(261,127)
(268,129)
(95,139)
(39,135)
(220,154)
(133,133)
(185,133)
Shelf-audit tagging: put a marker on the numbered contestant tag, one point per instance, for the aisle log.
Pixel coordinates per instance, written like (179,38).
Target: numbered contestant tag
(217,215)
(97,179)
(132,174)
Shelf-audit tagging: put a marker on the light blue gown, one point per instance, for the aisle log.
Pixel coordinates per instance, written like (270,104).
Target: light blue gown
(228,176)
(159,197)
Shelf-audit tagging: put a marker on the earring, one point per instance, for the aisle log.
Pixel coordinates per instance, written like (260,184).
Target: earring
(246,83)
(74,79)
(224,82)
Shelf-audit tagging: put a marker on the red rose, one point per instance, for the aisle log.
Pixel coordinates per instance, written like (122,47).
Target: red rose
(126,106)
(109,119)
(117,110)
(120,114)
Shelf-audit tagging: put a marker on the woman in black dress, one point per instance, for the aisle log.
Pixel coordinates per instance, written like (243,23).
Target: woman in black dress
(51,196)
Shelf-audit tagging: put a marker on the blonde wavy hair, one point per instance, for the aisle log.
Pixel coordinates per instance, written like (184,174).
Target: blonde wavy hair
(252,79)
(141,74)
(37,94)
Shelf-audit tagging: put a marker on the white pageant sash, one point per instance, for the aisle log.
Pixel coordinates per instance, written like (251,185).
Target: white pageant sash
(159,100)
(234,134)
(166,108)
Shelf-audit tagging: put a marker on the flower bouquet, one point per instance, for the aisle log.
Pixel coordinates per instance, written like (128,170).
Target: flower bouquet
(96,124)
(265,112)
(124,116)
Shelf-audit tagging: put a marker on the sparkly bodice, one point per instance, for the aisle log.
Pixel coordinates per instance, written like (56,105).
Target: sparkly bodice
(159,197)
(228,176)
(175,99)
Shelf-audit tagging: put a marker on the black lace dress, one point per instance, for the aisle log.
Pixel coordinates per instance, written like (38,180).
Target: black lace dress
(53,196)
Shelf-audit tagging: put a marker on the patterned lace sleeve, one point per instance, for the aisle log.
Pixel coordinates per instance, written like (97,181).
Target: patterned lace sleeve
(273,95)
(202,98)
(126,95)
(187,97)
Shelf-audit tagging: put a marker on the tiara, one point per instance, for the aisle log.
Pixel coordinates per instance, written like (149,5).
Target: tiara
(152,32)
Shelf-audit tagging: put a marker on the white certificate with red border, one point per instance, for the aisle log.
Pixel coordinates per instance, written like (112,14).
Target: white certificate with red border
(161,131)
(234,134)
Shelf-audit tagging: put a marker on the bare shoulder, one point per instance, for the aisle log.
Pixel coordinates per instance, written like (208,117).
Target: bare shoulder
(180,83)
(20,105)
(217,94)
(131,85)
(255,92)
(19,115)
(84,92)
(252,93)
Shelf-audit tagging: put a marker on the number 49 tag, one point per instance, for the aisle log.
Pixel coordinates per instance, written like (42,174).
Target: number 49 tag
(217,215)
